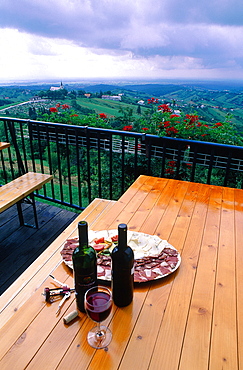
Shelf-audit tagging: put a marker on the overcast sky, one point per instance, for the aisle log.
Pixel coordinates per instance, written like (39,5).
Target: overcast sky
(79,39)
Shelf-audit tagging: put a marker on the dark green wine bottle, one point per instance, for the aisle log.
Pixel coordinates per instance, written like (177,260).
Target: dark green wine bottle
(84,266)
(122,270)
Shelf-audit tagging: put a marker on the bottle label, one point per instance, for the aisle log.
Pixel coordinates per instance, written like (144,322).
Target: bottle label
(85,281)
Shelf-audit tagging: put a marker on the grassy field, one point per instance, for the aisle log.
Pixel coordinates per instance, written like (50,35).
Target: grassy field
(109,107)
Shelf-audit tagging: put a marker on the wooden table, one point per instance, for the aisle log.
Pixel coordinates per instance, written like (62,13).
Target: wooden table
(192,319)
(4,145)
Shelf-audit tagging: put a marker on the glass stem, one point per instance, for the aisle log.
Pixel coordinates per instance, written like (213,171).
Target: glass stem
(100,335)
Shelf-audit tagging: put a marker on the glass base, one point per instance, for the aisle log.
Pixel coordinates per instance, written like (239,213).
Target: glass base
(99,337)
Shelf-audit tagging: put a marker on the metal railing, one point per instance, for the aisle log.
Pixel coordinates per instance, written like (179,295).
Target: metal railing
(89,162)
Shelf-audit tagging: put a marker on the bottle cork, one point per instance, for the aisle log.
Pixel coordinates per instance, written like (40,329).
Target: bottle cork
(70,317)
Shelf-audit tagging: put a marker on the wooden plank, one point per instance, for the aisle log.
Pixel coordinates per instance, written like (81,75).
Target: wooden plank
(223,353)
(144,214)
(179,232)
(21,187)
(195,353)
(144,335)
(239,270)
(4,145)
(172,209)
(156,213)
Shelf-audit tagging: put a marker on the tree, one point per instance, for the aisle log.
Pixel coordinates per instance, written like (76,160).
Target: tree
(32,113)
(126,116)
(139,109)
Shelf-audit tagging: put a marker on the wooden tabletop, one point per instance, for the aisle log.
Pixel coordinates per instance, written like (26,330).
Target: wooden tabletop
(192,319)
(4,145)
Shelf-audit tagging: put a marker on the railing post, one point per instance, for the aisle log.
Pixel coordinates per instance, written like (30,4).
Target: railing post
(18,155)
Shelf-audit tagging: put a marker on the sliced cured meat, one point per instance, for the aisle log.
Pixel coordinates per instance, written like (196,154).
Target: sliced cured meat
(164,270)
(139,278)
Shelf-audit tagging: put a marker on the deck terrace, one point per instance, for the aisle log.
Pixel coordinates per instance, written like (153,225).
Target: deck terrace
(21,245)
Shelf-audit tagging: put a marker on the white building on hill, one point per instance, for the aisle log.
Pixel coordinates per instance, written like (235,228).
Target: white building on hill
(111,97)
(56,88)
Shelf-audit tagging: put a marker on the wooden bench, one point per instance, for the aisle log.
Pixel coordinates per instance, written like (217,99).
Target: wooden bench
(20,188)
(4,145)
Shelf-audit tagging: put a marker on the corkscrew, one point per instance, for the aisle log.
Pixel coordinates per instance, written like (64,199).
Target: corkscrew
(50,294)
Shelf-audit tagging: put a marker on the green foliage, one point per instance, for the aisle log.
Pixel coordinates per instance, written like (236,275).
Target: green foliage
(188,126)
(160,120)
(54,95)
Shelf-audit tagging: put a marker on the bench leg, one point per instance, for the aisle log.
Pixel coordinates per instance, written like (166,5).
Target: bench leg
(20,212)
(34,210)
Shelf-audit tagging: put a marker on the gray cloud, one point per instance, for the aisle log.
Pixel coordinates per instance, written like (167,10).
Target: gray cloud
(209,30)
(94,22)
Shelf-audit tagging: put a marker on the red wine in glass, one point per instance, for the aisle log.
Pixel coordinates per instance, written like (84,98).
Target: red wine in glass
(98,303)
(98,307)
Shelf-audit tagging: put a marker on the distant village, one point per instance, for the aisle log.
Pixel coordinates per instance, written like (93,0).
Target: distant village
(107,97)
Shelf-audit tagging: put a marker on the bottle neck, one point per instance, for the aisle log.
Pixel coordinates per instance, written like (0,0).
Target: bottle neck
(122,236)
(83,235)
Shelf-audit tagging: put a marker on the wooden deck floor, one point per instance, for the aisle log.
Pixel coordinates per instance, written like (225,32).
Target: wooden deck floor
(21,245)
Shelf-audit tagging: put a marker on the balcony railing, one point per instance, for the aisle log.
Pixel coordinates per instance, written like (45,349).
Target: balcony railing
(89,162)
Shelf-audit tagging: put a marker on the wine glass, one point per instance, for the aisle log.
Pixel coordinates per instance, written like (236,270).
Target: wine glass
(98,303)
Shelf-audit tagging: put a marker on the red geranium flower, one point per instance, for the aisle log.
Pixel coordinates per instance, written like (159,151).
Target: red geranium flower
(145,128)
(127,128)
(192,117)
(153,101)
(164,108)
(167,124)
(169,171)
(65,106)
(172,163)
(171,130)
(103,115)
(53,110)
